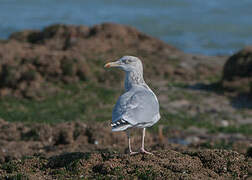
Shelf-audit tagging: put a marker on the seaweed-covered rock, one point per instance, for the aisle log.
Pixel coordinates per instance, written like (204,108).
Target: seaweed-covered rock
(33,62)
(237,73)
(32,71)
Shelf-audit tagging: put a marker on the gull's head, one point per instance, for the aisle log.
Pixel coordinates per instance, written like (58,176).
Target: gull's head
(127,63)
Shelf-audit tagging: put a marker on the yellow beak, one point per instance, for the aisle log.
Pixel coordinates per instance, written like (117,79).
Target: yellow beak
(111,64)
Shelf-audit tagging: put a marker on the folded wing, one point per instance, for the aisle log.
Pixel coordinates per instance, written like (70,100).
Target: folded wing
(138,107)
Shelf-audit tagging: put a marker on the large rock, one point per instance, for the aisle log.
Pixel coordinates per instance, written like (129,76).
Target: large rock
(33,62)
(237,73)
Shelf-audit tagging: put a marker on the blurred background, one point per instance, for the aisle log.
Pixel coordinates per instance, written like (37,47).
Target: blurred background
(212,27)
(56,97)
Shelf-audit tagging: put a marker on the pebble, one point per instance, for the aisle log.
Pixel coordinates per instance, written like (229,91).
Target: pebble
(96,142)
(224,123)
(192,139)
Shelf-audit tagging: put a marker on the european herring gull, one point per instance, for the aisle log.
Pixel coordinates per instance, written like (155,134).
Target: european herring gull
(138,106)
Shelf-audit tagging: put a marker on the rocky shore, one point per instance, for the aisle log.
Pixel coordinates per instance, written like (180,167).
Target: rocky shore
(57,75)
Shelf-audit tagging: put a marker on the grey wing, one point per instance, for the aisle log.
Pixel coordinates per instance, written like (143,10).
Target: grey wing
(120,107)
(138,107)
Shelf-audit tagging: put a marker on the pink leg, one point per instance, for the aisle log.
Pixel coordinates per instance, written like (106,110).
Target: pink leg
(130,150)
(142,150)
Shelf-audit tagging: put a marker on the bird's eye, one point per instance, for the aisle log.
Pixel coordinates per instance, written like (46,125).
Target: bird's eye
(127,61)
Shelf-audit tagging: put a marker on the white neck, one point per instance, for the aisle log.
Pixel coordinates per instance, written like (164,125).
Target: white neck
(134,78)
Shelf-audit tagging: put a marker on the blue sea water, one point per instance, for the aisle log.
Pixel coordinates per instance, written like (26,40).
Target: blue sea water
(210,27)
